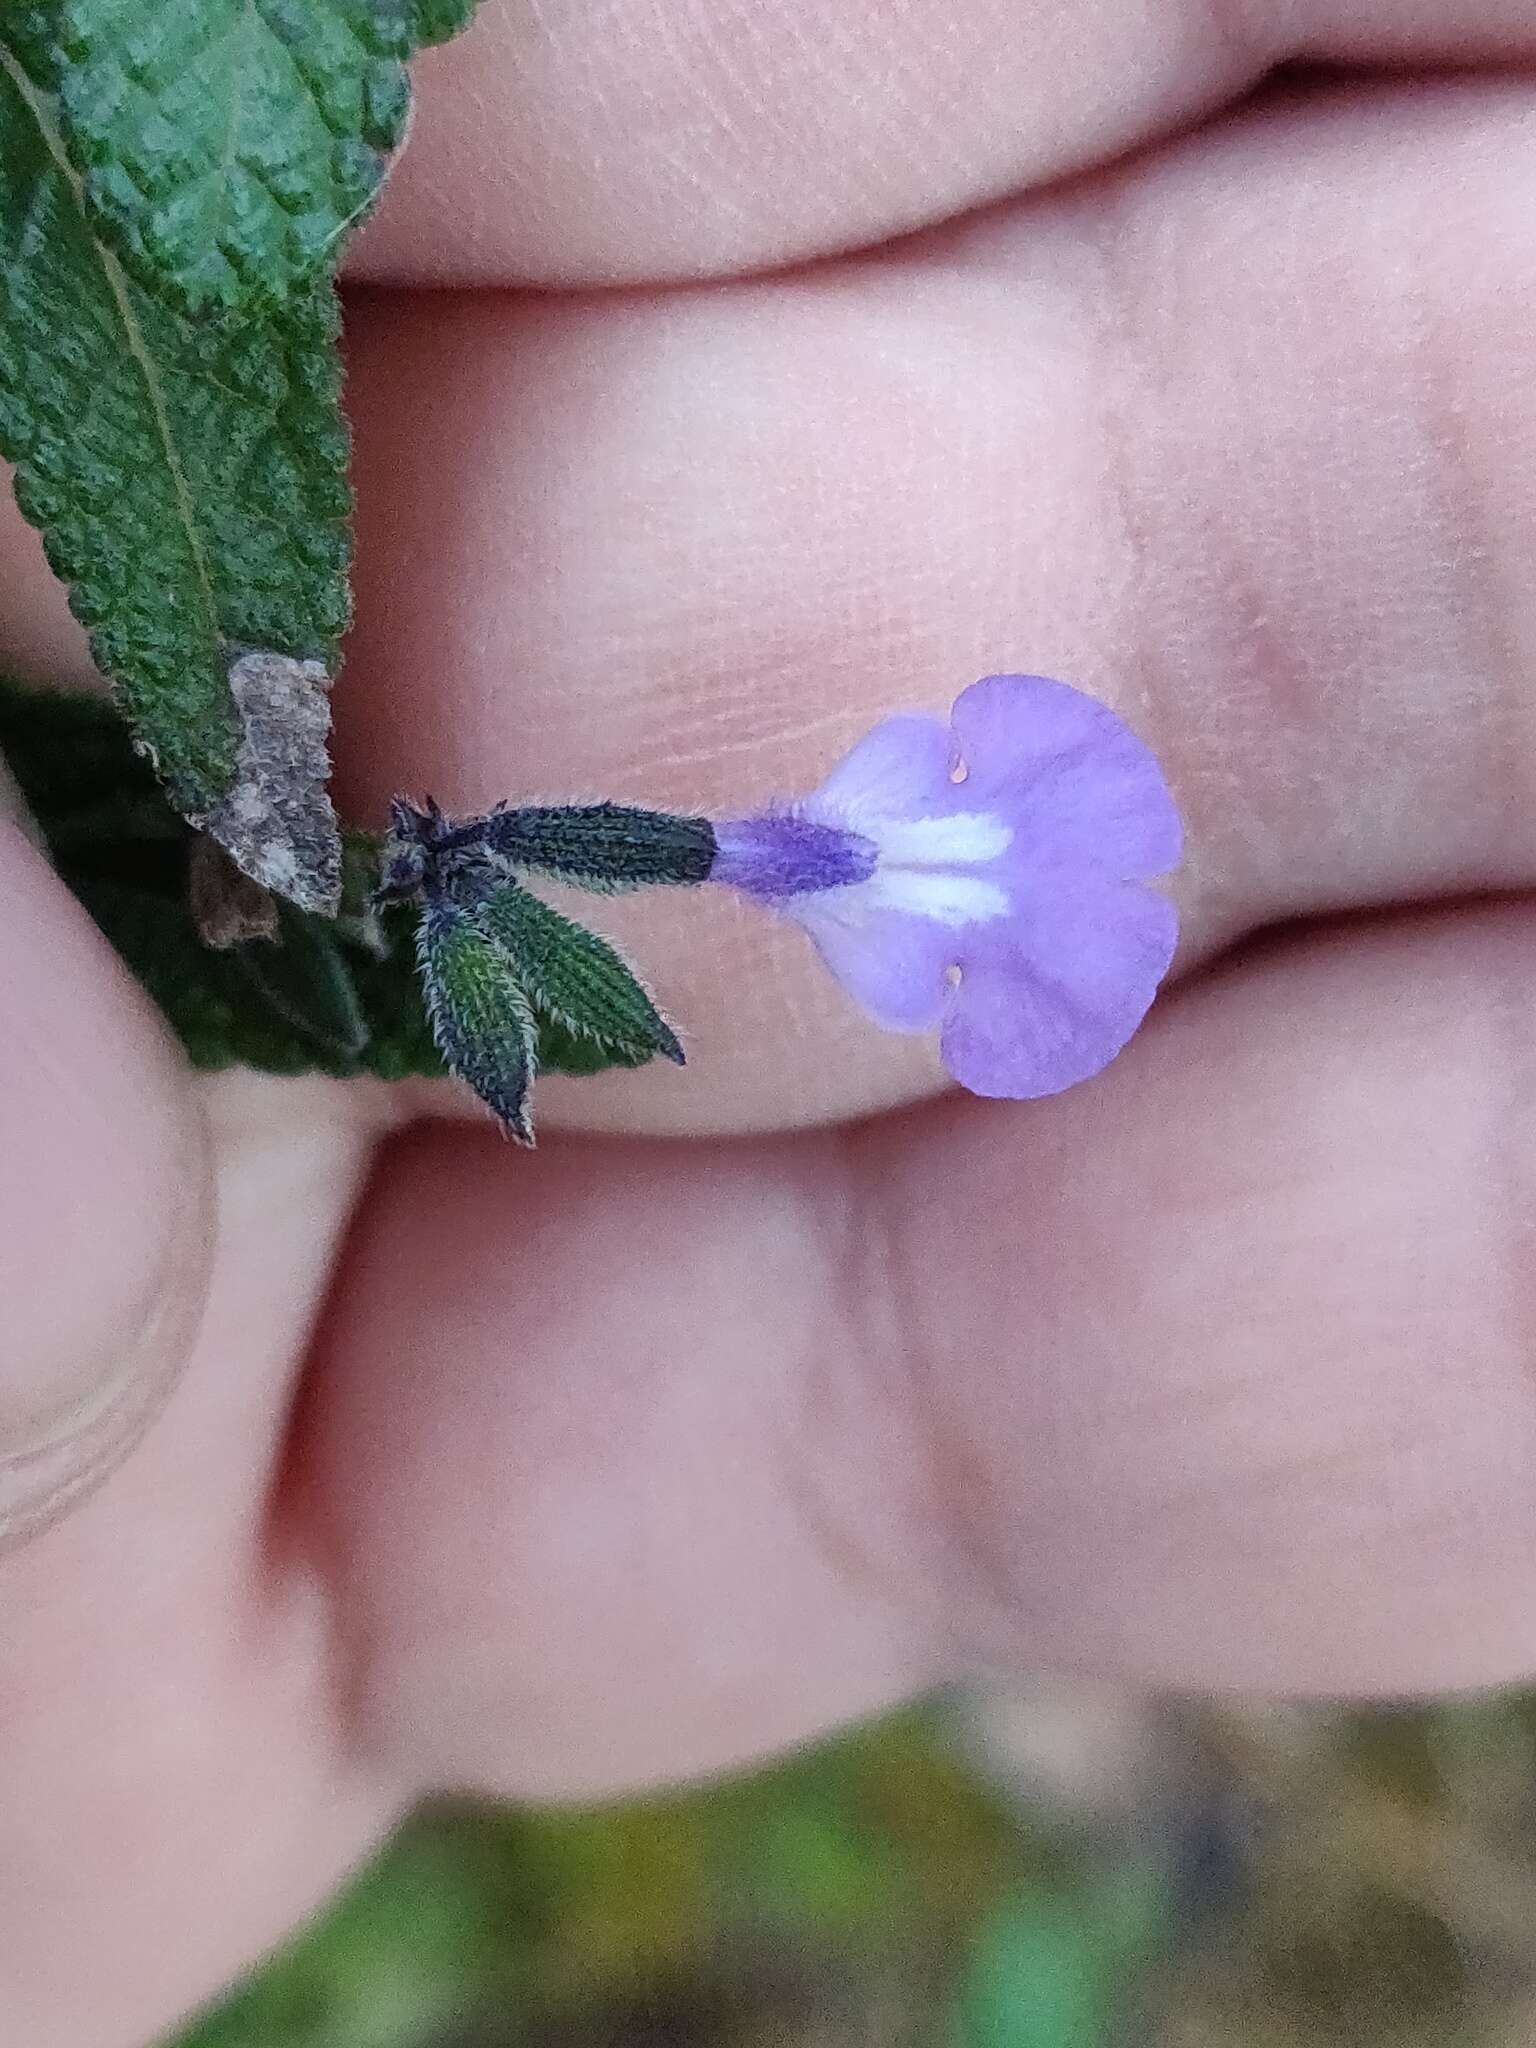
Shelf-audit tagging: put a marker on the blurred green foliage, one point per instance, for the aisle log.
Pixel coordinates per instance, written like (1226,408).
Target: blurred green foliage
(875,1890)
(1285,1878)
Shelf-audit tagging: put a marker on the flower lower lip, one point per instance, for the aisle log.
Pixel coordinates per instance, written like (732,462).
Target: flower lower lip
(1011,909)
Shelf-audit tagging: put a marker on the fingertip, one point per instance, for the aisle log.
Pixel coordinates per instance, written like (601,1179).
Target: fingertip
(104,1219)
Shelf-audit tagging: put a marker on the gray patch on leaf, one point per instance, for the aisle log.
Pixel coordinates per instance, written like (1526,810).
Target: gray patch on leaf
(228,908)
(277,821)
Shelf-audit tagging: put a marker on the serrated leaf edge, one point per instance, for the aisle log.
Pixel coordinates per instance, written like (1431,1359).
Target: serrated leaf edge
(519,1124)
(538,997)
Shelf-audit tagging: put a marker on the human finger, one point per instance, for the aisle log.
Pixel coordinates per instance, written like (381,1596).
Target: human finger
(639,1462)
(587,143)
(103,1225)
(171,1677)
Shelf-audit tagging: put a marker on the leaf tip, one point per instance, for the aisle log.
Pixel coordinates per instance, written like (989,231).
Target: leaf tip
(520,1130)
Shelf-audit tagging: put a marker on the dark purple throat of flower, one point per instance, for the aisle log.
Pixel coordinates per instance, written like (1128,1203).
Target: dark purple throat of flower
(780,854)
(987,878)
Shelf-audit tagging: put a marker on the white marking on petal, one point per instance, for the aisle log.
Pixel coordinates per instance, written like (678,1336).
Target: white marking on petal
(965,839)
(932,893)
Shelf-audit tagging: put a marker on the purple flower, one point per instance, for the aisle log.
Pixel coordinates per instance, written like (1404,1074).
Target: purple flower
(987,878)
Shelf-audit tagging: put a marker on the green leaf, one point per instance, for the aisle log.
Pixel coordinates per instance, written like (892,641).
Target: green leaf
(340,998)
(226,146)
(573,976)
(562,1051)
(305,979)
(1049,1970)
(189,481)
(434,21)
(481,1018)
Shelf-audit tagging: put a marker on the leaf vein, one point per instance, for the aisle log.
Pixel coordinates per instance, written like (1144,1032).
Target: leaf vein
(117,284)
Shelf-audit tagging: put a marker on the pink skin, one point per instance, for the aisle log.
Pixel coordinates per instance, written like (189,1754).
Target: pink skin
(1214,1372)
